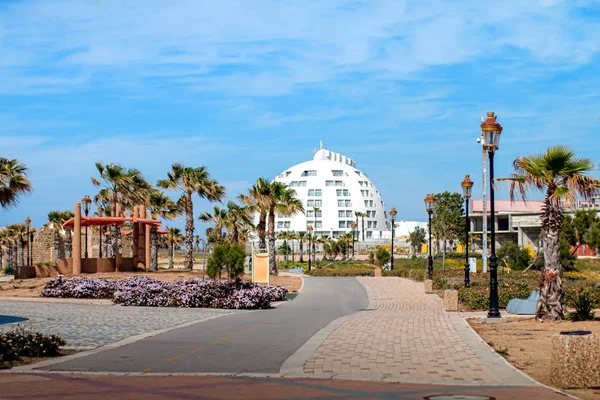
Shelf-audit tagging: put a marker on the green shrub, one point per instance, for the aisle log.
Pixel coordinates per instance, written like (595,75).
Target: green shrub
(439,282)
(478,297)
(583,301)
(10,269)
(229,257)
(21,343)
(342,272)
(517,259)
(382,255)
(414,274)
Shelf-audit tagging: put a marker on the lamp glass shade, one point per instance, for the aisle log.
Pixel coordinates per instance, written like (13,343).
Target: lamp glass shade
(430,203)
(27,221)
(491,131)
(467,187)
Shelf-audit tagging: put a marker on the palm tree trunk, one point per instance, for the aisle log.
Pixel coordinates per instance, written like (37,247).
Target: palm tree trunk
(301,250)
(550,304)
(1,257)
(272,249)
(153,249)
(189,232)
(171,251)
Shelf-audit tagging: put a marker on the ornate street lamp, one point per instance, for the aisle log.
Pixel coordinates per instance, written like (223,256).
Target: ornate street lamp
(101,228)
(491,131)
(86,201)
(467,186)
(354,225)
(28,223)
(393,213)
(430,207)
(309,229)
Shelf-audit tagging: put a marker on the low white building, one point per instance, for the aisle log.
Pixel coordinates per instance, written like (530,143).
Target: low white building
(332,191)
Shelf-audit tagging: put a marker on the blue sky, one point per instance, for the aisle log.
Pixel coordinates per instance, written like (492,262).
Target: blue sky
(248,88)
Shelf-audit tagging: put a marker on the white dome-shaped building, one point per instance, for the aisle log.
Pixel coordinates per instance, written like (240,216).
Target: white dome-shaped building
(332,191)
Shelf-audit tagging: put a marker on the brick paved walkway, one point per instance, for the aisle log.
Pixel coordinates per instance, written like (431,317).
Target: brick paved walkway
(407,336)
(92,325)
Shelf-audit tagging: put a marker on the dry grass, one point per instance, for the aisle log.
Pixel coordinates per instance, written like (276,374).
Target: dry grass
(33,287)
(529,345)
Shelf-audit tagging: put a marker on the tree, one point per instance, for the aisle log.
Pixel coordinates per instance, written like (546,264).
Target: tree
(229,257)
(56,219)
(160,206)
(188,181)
(119,186)
(448,221)
(13,182)
(417,239)
(301,239)
(516,258)
(174,239)
(218,217)
(281,200)
(258,201)
(582,222)
(563,177)
(592,236)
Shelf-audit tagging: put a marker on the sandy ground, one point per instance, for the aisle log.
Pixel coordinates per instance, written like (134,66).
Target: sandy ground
(529,345)
(33,287)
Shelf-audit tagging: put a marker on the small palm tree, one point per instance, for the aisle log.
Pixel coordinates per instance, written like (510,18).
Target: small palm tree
(188,181)
(282,201)
(160,206)
(257,200)
(56,219)
(174,239)
(237,218)
(562,177)
(218,217)
(13,182)
(301,239)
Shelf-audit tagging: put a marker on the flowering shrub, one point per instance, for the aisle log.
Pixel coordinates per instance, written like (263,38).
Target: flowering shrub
(151,292)
(575,276)
(22,343)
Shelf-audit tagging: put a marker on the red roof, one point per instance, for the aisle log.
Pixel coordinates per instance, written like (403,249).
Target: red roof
(532,206)
(103,221)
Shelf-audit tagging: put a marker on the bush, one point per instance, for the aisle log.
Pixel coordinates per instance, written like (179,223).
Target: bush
(477,297)
(151,292)
(21,343)
(351,271)
(414,274)
(229,257)
(583,301)
(575,276)
(10,270)
(382,255)
(517,259)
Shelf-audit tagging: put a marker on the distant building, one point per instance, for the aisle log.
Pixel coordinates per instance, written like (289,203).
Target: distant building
(332,189)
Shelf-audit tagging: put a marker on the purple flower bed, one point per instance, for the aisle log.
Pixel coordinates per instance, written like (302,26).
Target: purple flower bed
(151,292)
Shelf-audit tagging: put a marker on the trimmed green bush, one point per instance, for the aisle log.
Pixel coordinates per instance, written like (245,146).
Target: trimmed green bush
(350,271)
(414,274)
(477,298)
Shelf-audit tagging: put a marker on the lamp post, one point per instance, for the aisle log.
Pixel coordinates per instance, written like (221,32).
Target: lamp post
(491,131)
(28,223)
(353,236)
(101,230)
(430,207)
(86,201)
(467,186)
(309,229)
(393,213)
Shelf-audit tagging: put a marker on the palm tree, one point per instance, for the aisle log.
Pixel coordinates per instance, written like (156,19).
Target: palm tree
(281,201)
(258,202)
(8,236)
(160,206)
(13,182)
(218,217)
(362,215)
(123,186)
(188,181)
(237,219)
(55,223)
(174,238)
(562,177)
(285,236)
(345,240)
(301,238)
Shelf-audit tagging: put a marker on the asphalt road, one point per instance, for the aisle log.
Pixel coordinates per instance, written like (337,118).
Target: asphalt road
(255,341)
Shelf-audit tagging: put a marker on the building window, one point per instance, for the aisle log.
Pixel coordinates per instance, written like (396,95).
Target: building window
(361,183)
(342,192)
(502,224)
(366,203)
(369,224)
(369,234)
(279,225)
(337,172)
(357,173)
(341,203)
(311,172)
(313,203)
(374,224)
(371,203)
(348,203)
(349,213)
(342,224)
(319,224)
(339,183)
(311,213)
(349,224)
(293,183)
(314,192)
(302,183)
(373,213)
(341,213)
(328,183)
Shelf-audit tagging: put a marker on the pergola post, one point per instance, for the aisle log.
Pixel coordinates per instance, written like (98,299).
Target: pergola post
(77,241)
(142,260)
(135,238)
